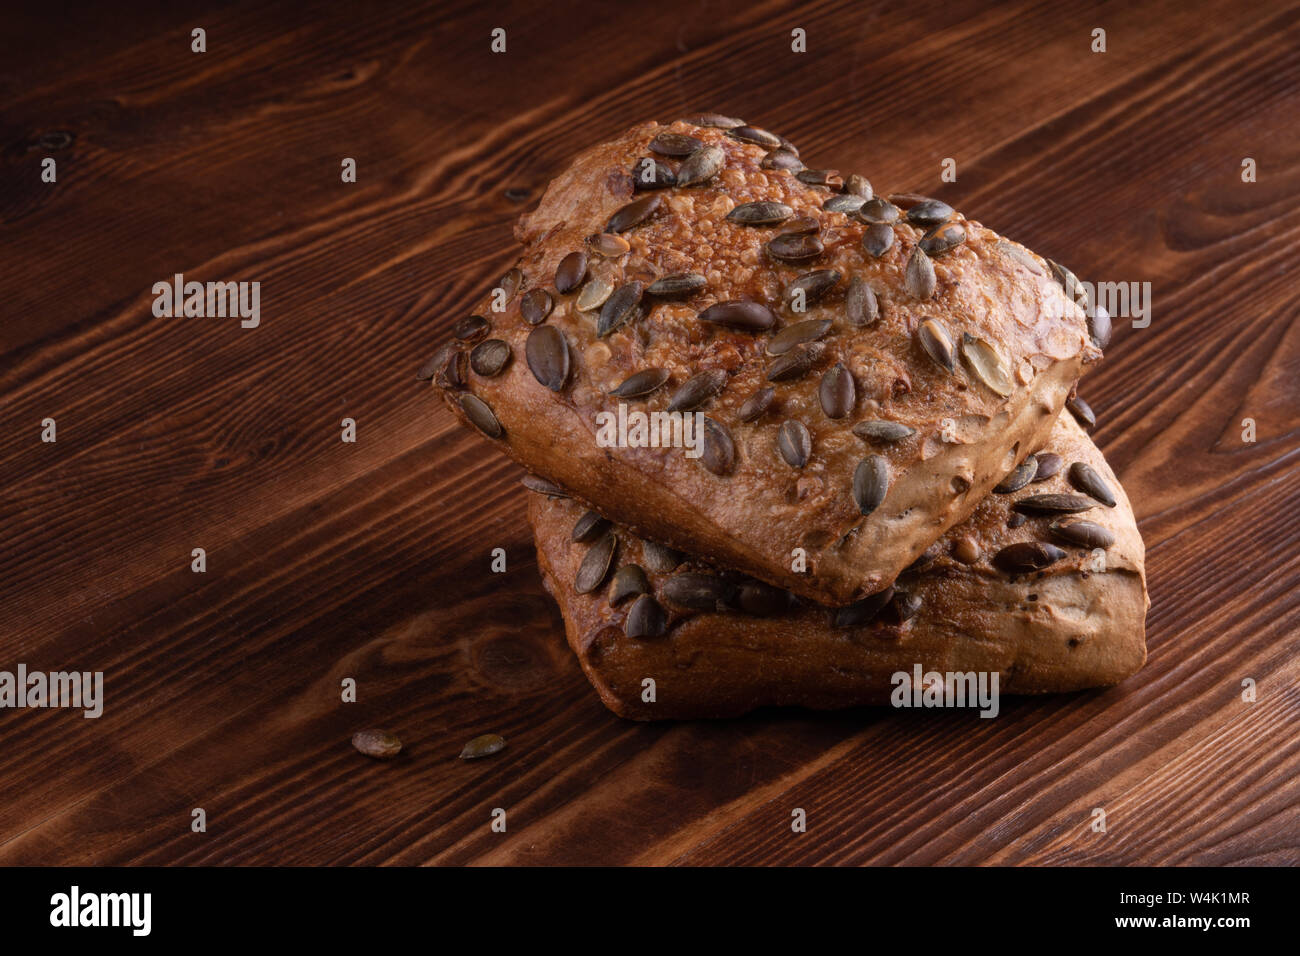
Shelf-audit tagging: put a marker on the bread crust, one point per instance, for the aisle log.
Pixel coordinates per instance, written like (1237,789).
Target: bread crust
(755,516)
(1067,627)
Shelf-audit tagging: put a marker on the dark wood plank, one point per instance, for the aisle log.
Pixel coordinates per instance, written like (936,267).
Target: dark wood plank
(329,560)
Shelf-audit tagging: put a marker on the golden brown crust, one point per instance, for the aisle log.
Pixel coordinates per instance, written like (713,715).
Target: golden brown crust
(754,516)
(1067,627)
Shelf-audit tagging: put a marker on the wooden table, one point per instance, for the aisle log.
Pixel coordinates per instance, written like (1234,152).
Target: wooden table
(328,560)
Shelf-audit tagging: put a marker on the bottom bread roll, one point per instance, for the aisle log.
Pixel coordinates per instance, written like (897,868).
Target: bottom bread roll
(1043,586)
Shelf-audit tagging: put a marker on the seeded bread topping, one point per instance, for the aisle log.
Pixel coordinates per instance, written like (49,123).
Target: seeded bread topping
(1054,603)
(868,367)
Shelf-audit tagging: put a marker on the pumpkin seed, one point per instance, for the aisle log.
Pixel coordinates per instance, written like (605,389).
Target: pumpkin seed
(646,618)
(1084,534)
(901,608)
(633,214)
(470,328)
(936,342)
(782,159)
(676,285)
(379,744)
(641,383)
(906,200)
(795,363)
(943,238)
(535,306)
(543,487)
(1013,251)
(760,213)
(870,483)
(837,392)
(1052,504)
(925,561)
(830,178)
(844,202)
(795,249)
(919,279)
(648,174)
(757,403)
(814,284)
(589,527)
(1099,326)
(860,303)
(877,239)
(719,452)
(595,564)
(675,144)
(593,295)
(883,431)
(800,226)
(697,390)
(1082,412)
(1084,477)
(858,186)
(699,592)
(548,356)
(629,581)
(740,315)
(452,374)
(607,244)
(1027,557)
(510,283)
(809,330)
(435,362)
(965,550)
(620,308)
(1070,283)
(484,745)
(1049,464)
(794,442)
(701,166)
(714,120)
(986,364)
(878,212)
(489,358)
(660,557)
(570,272)
(761,600)
(480,414)
(1020,476)
(929,212)
(863,611)
(752,134)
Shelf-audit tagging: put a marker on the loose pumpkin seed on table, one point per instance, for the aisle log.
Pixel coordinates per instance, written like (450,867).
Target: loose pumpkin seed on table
(380,744)
(484,745)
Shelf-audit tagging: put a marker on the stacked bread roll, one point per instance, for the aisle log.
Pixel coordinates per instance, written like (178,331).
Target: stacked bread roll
(789,440)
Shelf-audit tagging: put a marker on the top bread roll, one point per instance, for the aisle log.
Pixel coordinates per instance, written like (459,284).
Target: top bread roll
(866,369)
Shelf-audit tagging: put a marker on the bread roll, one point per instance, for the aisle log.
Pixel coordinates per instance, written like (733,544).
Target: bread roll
(971,605)
(735,270)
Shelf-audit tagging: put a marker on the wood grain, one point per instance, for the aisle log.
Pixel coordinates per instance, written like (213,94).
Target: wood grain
(370,560)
